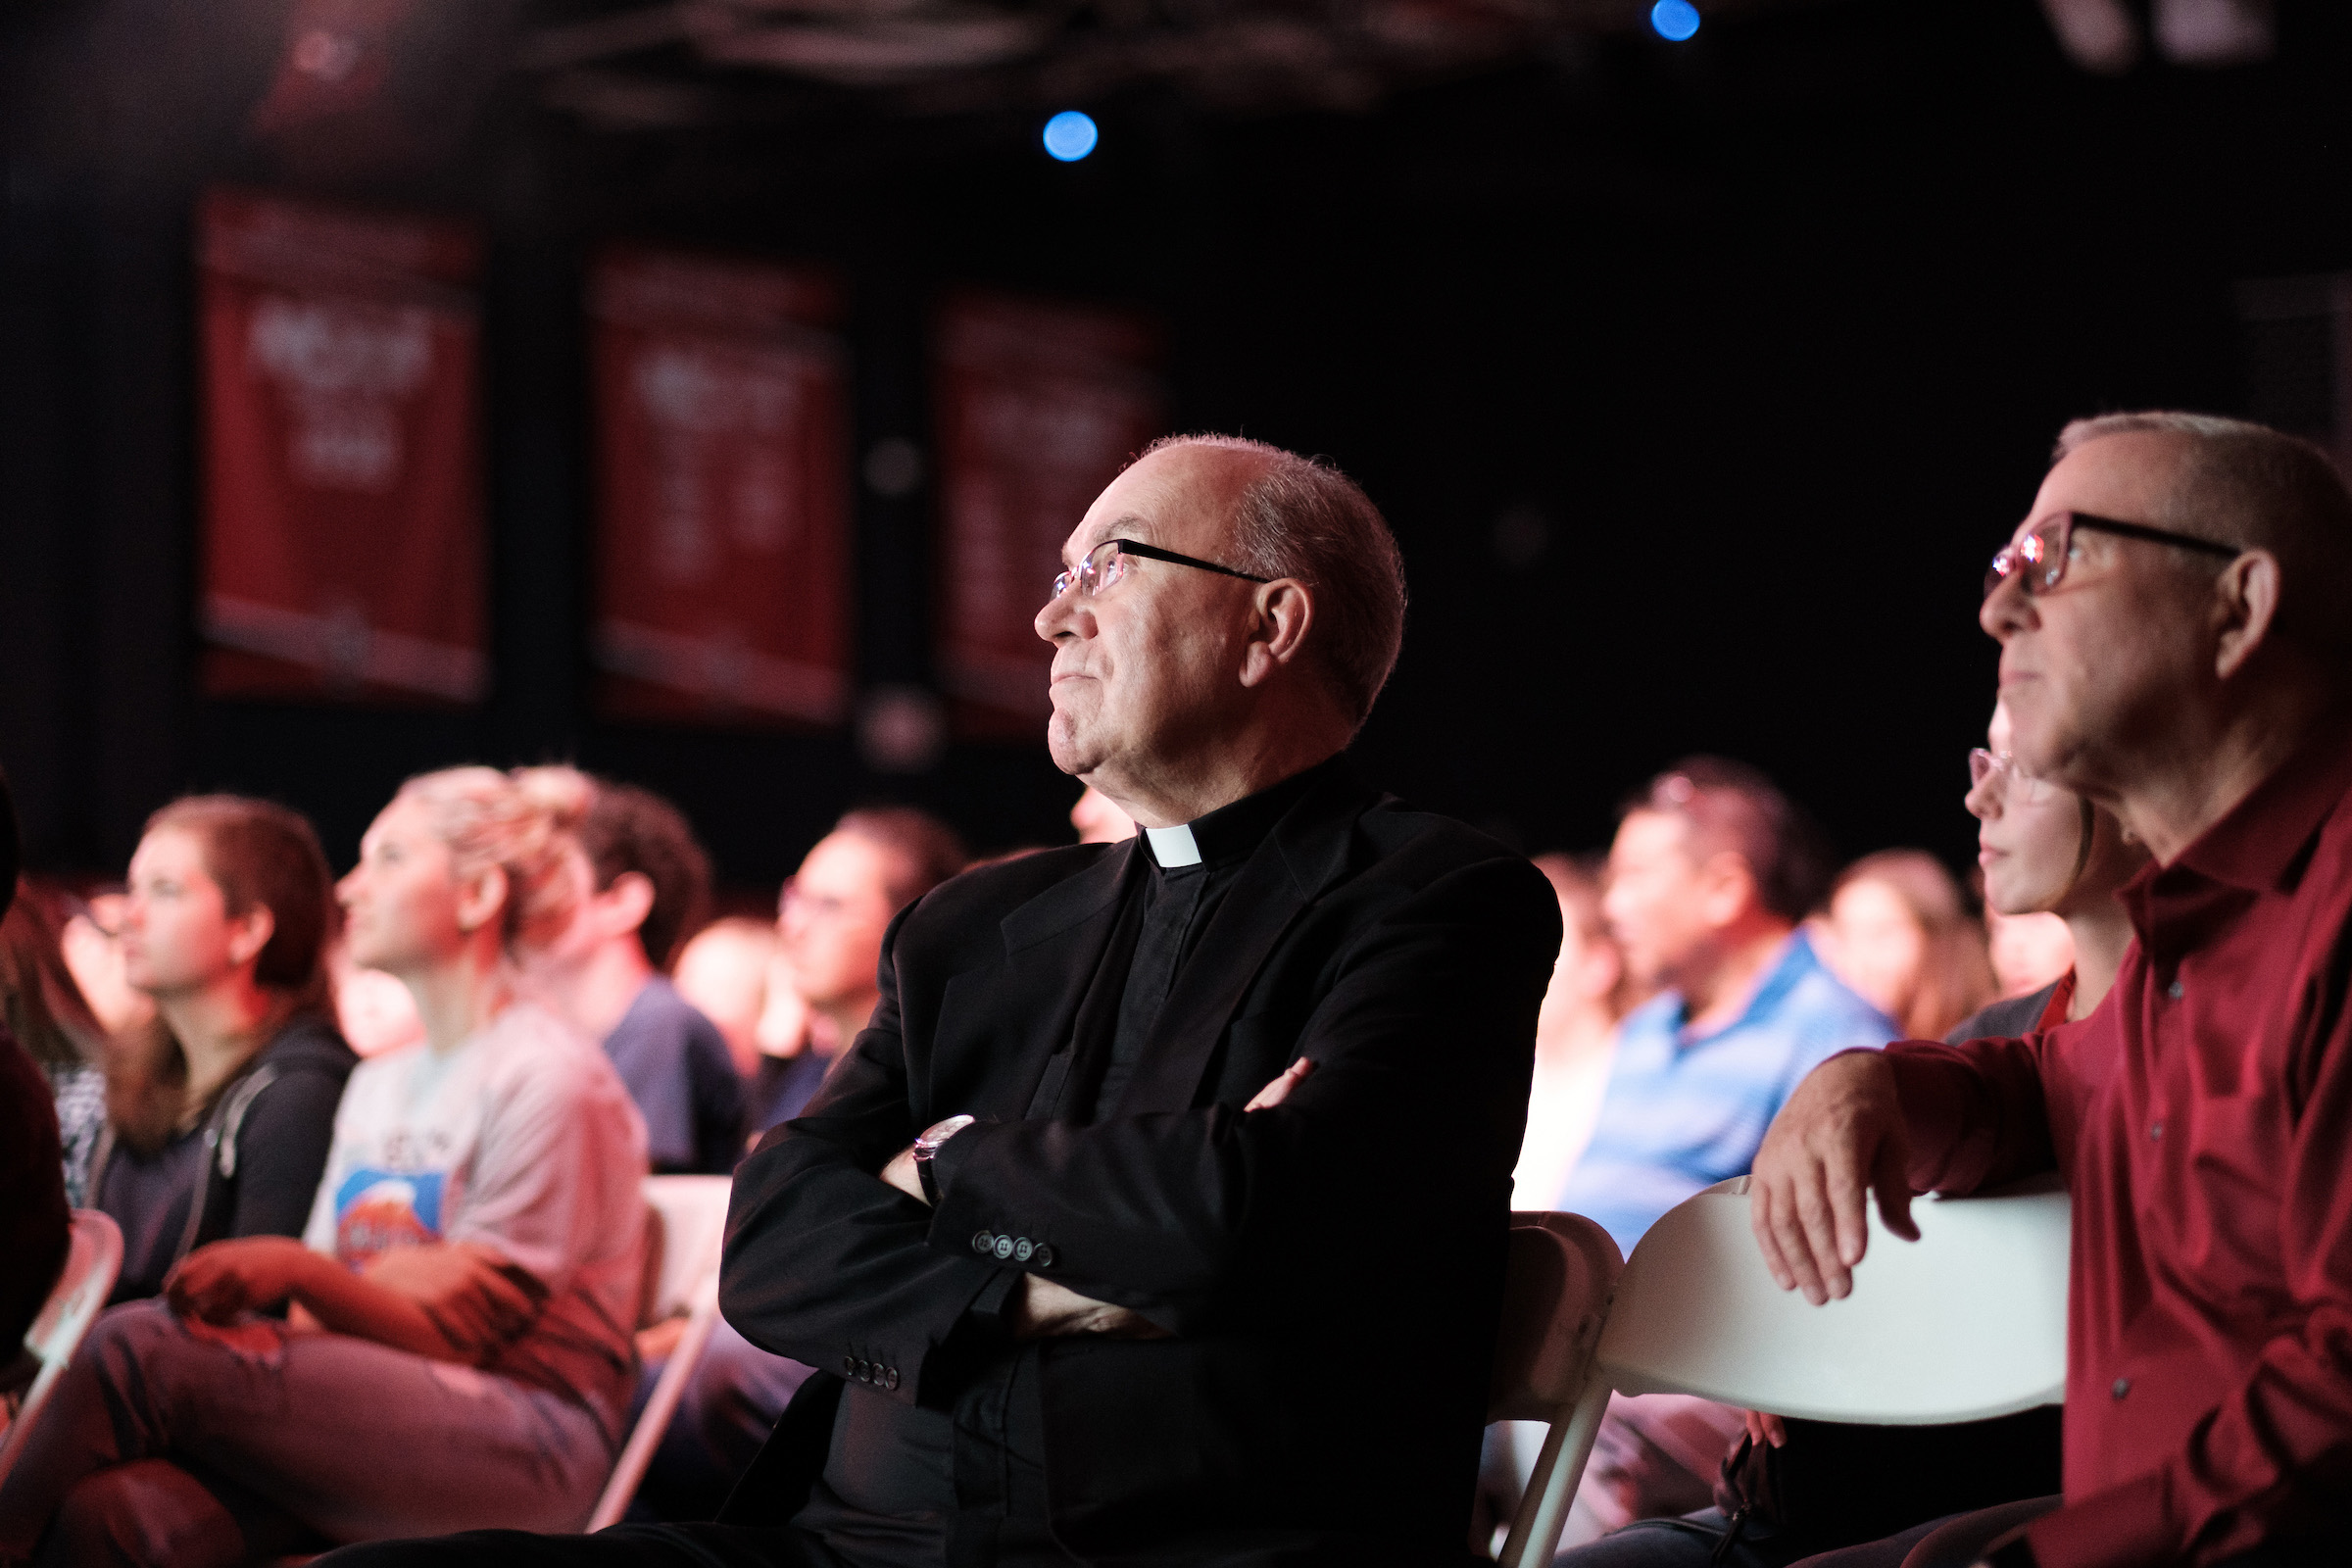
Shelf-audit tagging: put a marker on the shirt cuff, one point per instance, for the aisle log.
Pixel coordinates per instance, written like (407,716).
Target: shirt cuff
(2121,1525)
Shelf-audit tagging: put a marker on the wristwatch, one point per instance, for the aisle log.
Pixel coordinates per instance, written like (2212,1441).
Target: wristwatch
(928,1146)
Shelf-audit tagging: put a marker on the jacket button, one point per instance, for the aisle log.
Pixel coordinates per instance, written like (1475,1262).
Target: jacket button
(1004,1247)
(849,1366)
(2123,1385)
(1022,1248)
(890,1379)
(865,1371)
(1044,1257)
(984,1242)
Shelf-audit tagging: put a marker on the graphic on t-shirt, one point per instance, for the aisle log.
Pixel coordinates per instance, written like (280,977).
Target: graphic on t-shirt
(376,1210)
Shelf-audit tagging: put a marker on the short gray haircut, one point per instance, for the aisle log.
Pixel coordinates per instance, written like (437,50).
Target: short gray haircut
(2250,486)
(1304,519)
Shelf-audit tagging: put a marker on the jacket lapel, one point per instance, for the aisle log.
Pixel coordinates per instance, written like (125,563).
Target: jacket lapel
(1053,947)
(1304,853)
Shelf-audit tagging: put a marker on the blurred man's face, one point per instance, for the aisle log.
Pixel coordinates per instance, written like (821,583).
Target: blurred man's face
(1147,666)
(2097,666)
(833,916)
(1657,902)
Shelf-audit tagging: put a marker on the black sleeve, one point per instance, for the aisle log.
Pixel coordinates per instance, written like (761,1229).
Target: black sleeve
(1422,1040)
(281,1153)
(1422,1035)
(825,1261)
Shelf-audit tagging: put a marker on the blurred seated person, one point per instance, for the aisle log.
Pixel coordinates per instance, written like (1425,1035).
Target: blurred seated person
(834,913)
(1576,1033)
(1097,820)
(728,970)
(2172,647)
(1711,876)
(456,1349)
(1805,1487)
(830,921)
(2029,952)
(220,1110)
(2047,851)
(643,882)
(1902,935)
(32,1182)
(44,1010)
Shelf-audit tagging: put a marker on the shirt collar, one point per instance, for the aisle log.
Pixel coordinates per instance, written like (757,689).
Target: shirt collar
(2259,842)
(1796,962)
(1232,832)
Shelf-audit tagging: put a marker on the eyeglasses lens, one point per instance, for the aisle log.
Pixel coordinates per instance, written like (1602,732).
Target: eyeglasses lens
(2041,556)
(1981,766)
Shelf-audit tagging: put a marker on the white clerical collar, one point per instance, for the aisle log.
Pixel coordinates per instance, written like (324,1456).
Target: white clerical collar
(1173,847)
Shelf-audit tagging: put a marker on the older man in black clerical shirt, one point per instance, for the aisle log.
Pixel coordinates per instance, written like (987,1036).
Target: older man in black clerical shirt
(1159,1215)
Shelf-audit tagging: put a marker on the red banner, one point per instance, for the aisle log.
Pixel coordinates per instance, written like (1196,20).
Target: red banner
(342,550)
(1039,407)
(722,430)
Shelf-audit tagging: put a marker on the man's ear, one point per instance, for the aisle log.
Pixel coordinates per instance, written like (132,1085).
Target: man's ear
(2244,607)
(1726,888)
(626,904)
(1282,613)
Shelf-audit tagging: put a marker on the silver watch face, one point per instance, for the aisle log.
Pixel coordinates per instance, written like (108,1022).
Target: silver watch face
(939,1132)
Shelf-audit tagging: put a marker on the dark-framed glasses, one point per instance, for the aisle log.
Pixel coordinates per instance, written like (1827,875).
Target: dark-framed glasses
(2039,559)
(1110,562)
(2012,780)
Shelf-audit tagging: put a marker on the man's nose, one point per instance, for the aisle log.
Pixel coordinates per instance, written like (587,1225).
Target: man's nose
(1055,619)
(2004,610)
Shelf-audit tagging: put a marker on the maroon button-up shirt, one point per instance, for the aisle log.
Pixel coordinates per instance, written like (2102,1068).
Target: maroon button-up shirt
(2202,1117)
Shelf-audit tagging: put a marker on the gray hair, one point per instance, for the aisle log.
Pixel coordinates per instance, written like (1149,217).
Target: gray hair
(2250,486)
(1304,519)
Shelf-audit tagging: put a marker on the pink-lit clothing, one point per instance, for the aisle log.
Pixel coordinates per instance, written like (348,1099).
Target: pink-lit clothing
(2202,1117)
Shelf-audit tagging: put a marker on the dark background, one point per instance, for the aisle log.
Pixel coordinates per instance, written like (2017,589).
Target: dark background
(1698,381)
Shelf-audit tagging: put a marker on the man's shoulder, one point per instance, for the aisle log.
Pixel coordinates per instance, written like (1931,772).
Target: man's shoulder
(662,1019)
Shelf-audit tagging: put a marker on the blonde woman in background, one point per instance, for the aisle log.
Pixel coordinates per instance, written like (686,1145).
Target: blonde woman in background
(457,1347)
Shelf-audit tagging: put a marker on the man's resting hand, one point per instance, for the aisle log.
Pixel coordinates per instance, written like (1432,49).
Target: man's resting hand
(1045,1310)
(1839,1137)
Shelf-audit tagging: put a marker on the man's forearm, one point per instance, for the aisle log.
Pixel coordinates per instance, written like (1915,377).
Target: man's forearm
(343,1303)
(1973,1114)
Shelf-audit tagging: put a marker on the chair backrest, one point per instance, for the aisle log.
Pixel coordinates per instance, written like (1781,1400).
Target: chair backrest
(1556,1296)
(93,1258)
(1967,1323)
(689,1216)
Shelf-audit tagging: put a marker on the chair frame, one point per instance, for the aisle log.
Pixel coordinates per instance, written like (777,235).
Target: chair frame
(93,1261)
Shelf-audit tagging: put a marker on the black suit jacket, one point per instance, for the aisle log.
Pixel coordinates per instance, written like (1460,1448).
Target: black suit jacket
(1330,1269)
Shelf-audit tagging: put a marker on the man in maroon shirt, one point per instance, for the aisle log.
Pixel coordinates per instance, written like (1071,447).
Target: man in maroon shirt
(2176,626)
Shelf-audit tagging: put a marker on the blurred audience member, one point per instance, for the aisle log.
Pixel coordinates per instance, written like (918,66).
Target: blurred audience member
(457,1348)
(643,882)
(45,1011)
(2047,851)
(1901,936)
(220,1110)
(724,970)
(32,1186)
(831,917)
(2174,646)
(1711,875)
(374,1010)
(1575,1034)
(834,911)
(1098,821)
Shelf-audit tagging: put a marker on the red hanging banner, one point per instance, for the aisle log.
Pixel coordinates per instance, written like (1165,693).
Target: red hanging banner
(1039,407)
(721,445)
(342,552)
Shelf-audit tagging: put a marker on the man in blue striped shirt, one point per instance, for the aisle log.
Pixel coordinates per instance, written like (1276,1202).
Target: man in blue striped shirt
(1711,874)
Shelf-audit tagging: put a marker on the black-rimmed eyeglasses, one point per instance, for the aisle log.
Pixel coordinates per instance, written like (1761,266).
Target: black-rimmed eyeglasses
(2039,559)
(1106,564)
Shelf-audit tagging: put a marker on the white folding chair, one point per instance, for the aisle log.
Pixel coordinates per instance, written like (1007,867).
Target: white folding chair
(1967,1323)
(93,1258)
(1556,1299)
(685,1228)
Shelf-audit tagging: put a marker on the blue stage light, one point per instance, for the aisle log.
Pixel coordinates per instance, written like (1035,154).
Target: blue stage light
(1070,135)
(1674,19)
